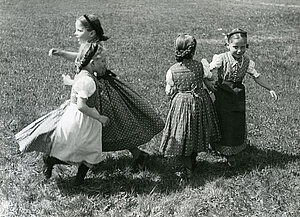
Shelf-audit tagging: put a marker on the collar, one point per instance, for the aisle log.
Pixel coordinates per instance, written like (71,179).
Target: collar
(233,62)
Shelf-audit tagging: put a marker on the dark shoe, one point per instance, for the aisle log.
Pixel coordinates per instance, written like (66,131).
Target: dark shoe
(185,174)
(81,173)
(231,161)
(47,168)
(49,162)
(141,161)
(194,165)
(194,162)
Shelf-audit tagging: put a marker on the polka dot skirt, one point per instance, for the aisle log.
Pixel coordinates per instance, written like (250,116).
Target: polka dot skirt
(133,121)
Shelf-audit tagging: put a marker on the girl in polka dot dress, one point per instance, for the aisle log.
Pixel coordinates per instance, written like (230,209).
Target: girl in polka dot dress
(191,124)
(231,68)
(133,121)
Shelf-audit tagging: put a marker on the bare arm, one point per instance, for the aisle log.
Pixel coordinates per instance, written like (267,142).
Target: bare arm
(69,55)
(262,82)
(92,112)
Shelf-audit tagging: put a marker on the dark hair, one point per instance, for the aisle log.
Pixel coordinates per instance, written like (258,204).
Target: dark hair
(86,54)
(92,22)
(185,47)
(236,33)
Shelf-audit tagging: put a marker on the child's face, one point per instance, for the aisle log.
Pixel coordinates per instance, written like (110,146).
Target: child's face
(237,47)
(81,33)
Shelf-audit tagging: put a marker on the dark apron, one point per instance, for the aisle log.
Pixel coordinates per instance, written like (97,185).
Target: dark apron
(230,106)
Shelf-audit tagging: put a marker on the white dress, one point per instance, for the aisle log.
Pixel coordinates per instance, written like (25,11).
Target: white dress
(78,137)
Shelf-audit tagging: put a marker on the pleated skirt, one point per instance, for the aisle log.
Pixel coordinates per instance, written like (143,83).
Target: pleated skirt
(191,125)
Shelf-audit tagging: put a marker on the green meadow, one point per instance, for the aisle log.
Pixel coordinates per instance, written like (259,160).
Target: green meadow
(142,33)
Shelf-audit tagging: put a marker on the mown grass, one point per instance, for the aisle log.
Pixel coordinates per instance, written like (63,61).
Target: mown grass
(141,50)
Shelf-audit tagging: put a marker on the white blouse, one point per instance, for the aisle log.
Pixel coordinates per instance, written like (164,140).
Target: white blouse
(84,86)
(217,63)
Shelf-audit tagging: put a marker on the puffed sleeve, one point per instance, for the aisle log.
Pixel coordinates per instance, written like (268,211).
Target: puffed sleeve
(252,71)
(206,69)
(169,81)
(85,87)
(216,62)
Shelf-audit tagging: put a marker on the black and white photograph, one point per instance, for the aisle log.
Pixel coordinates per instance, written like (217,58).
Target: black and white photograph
(150,108)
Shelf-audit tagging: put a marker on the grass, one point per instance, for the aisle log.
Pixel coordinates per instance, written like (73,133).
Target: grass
(267,183)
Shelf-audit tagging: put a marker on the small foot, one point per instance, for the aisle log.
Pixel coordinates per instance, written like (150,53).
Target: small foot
(141,161)
(47,169)
(231,161)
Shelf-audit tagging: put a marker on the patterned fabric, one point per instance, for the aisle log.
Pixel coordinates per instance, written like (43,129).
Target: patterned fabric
(133,121)
(230,103)
(191,124)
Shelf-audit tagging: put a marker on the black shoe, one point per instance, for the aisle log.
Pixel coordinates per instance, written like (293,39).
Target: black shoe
(81,173)
(194,162)
(188,173)
(231,161)
(194,165)
(141,161)
(47,168)
(185,174)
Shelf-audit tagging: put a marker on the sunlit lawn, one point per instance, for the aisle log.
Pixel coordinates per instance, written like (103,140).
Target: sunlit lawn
(267,182)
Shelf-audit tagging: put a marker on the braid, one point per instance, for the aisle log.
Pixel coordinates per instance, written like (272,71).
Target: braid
(185,46)
(86,54)
(187,53)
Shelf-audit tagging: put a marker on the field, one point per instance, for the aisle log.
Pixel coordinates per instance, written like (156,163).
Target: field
(267,182)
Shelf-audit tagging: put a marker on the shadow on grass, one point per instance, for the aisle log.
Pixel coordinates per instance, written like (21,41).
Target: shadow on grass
(113,176)
(254,158)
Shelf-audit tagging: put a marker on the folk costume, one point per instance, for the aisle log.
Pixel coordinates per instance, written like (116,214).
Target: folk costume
(230,101)
(191,124)
(133,121)
(66,133)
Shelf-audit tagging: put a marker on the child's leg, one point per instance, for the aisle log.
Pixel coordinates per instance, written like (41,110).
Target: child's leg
(193,160)
(189,164)
(140,158)
(187,167)
(135,152)
(81,173)
(49,162)
(231,161)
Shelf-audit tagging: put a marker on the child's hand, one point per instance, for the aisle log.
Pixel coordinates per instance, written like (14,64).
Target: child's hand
(67,80)
(54,52)
(273,94)
(104,120)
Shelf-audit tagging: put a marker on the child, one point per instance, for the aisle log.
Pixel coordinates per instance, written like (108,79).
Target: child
(133,122)
(231,67)
(77,136)
(191,124)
